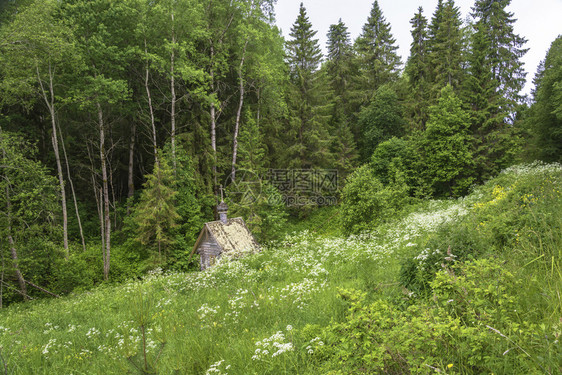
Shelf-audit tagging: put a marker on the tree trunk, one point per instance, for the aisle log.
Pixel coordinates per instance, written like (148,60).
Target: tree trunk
(21,280)
(213,108)
(50,102)
(2,280)
(73,193)
(238,113)
(13,252)
(150,108)
(130,180)
(105,193)
(258,113)
(173,90)
(213,122)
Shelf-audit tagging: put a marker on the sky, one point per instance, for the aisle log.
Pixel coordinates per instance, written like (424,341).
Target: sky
(537,20)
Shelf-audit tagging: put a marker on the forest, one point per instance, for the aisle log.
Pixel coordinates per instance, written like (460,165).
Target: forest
(120,121)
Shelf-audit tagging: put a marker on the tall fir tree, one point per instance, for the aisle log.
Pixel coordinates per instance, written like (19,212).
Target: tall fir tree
(376,51)
(341,71)
(308,137)
(496,77)
(445,47)
(339,60)
(502,50)
(156,214)
(417,71)
(546,112)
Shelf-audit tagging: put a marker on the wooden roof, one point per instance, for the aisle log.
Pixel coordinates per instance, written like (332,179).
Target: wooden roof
(230,236)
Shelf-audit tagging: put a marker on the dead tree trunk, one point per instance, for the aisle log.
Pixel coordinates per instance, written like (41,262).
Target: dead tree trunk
(105,193)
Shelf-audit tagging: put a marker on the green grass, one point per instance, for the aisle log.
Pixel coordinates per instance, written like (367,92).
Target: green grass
(282,310)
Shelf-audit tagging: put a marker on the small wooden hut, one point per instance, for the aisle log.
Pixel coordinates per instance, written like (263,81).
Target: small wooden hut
(223,236)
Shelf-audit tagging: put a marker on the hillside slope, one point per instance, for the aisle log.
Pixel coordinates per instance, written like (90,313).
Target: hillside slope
(465,286)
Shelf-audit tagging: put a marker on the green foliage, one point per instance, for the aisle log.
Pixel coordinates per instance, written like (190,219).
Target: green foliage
(418,72)
(445,48)
(366,202)
(251,148)
(545,120)
(192,205)
(493,91)
(447,147)
(495,22)
(392,158)
(49,54)
(376,50)
(263,210)
(155,214)
(470,325)
(29,224)
(517,213)
(339,62)
(307,135)
(380,121)
(341,71)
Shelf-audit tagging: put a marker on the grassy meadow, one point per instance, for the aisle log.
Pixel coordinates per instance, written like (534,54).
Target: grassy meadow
(458,286)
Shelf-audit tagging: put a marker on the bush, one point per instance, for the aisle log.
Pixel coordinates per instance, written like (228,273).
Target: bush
(472,324)
(366,202)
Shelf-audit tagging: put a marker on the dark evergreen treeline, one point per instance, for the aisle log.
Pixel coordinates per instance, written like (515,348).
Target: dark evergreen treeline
(120,119)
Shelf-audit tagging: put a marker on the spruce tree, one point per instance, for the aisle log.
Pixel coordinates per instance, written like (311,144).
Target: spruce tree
(339,60)
(502,50)
(341,71)
(546,112)
(155,213)
(304,54)
(377,53)
(445,46)
(496,77)
(188,201)
(417,71)
(308,138)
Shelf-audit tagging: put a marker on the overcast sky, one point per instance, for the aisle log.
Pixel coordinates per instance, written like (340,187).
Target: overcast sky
(537,20)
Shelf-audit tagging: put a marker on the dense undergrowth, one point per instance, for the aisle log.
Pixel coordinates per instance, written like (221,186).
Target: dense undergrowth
(459,286)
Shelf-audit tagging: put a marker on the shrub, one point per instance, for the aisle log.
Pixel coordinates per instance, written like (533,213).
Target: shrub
(471,325)
(366,202)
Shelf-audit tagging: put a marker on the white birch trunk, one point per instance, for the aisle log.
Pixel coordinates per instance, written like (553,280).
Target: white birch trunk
(238,113)
(150,108)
